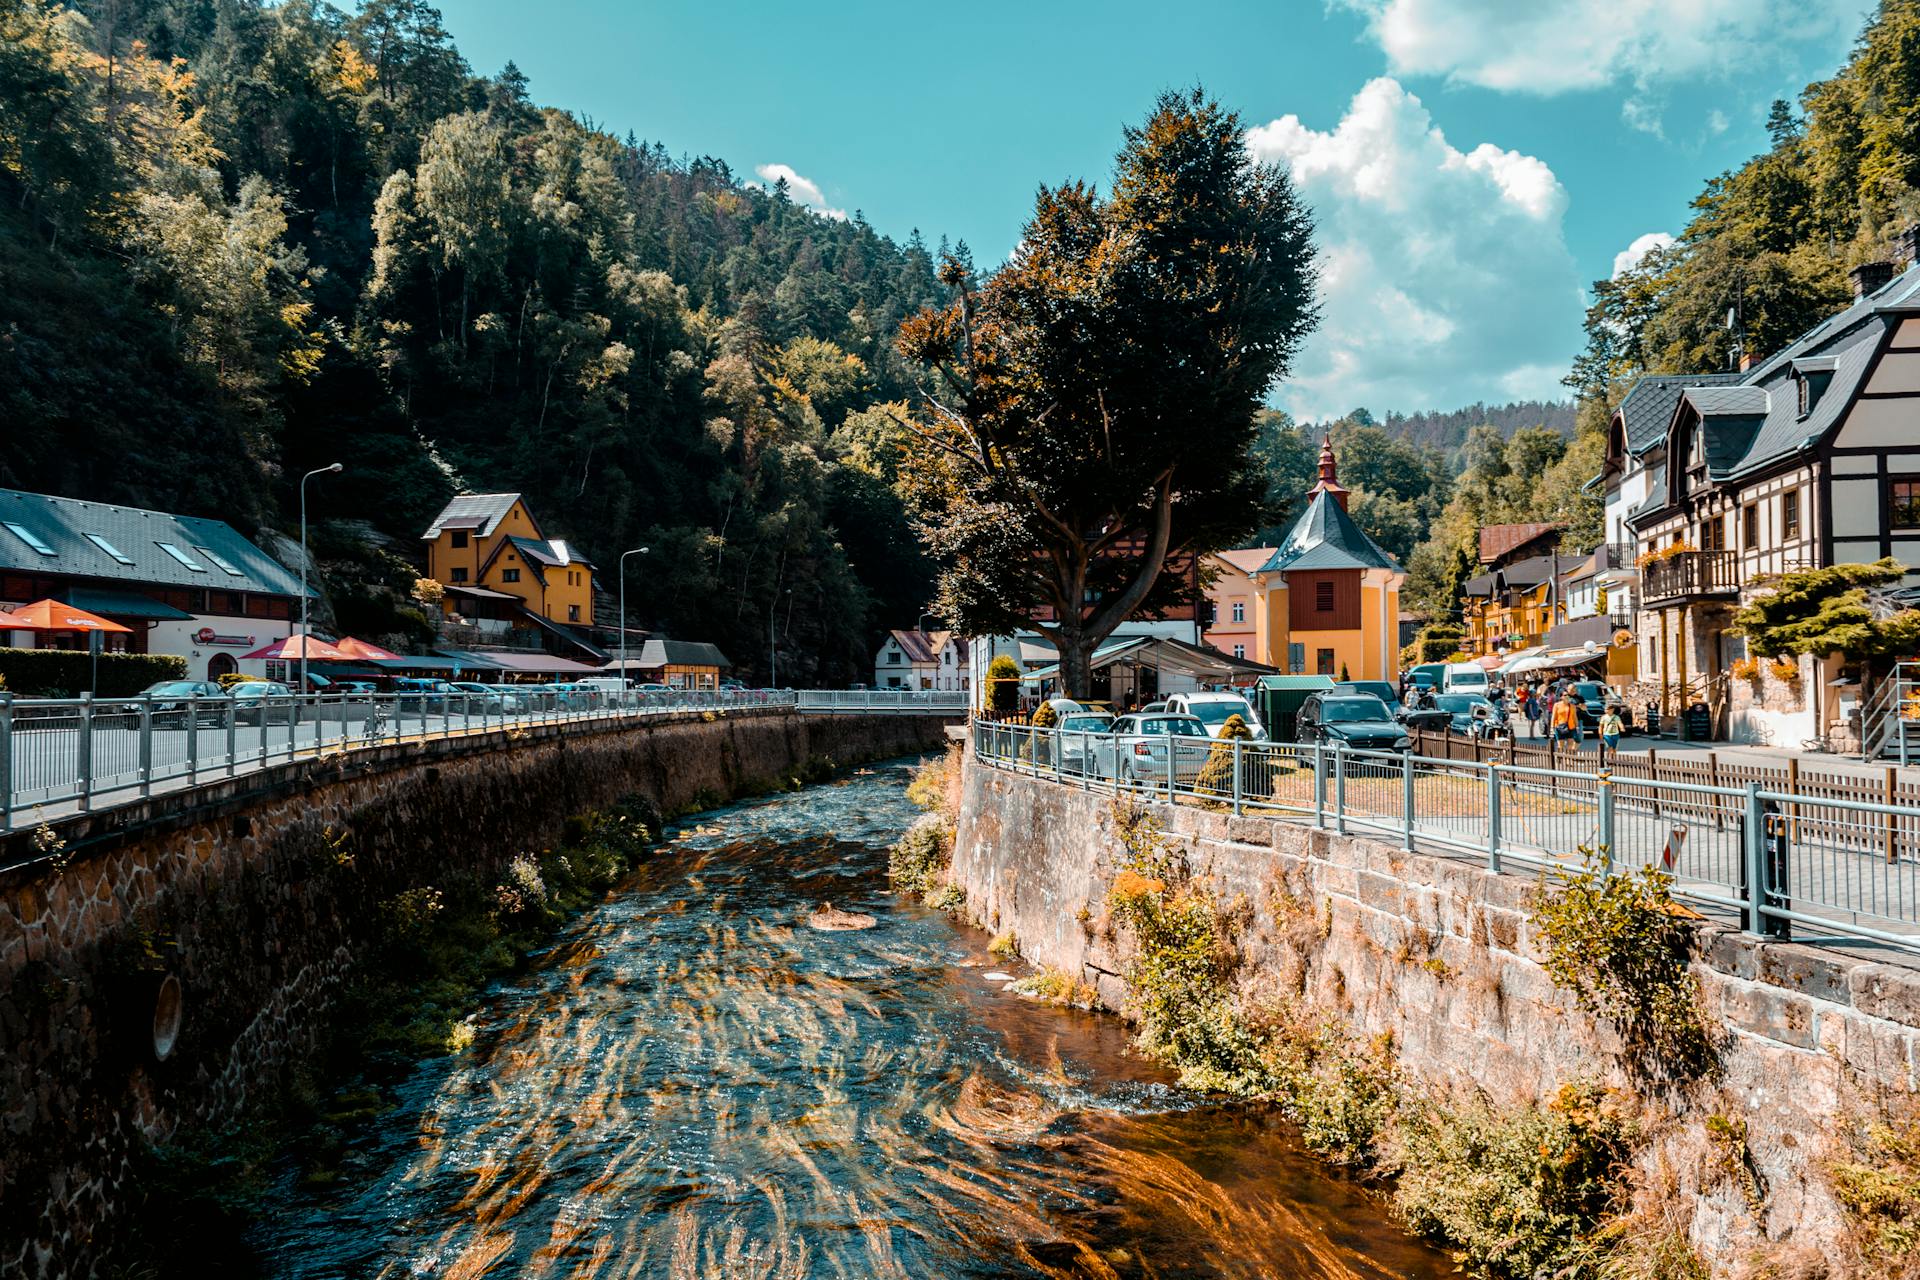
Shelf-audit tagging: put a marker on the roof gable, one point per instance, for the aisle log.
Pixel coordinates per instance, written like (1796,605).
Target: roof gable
(1326,537)
(477,513)
(1498,540)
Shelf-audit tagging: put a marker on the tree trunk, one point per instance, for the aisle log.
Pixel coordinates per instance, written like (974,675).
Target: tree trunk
(1076,659)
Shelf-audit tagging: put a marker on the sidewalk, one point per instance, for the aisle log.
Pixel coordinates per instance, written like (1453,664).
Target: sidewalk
(1827,762)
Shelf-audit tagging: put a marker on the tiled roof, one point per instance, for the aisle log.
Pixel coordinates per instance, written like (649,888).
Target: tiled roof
(478,512)
(1497,540)
(1647,409)
(681,653)
(1246,559)
(212,554)
(1325,537)
(917,645)
(1531,573)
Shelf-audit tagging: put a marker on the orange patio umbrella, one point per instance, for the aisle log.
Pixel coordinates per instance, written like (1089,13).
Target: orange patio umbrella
(51,615)
(289,650)
(360,650)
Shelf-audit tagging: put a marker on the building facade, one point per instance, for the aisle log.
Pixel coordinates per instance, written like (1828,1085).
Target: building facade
(1234,600)
(185,585)
(1808,458)
(922,660)
(1328,597)
(490,542)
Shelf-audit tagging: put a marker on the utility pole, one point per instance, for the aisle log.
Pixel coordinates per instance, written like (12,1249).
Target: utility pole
(637,551)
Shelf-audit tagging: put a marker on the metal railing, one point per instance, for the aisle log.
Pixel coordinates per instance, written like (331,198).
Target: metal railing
(908,701)
(1890,717)
(76,754)
(1779,857)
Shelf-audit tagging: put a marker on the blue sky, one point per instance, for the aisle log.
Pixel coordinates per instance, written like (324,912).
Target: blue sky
(1473,164)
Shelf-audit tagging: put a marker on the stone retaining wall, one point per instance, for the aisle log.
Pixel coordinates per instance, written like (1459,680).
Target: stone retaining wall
(1441,954)
(254,893)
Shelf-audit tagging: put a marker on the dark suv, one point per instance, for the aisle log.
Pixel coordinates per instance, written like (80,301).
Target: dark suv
(1338,717)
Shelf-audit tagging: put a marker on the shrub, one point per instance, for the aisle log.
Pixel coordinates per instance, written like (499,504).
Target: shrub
(1616,943)
(43,673)
(1216,775)
(524,892)
(918,860)
(1044,716)
(1003,683)
(1514,1191)
(1880,1187)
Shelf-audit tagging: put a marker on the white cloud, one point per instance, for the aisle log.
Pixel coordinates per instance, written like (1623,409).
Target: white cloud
(1556,46)
(1444,274)
(804,190)
(1629,258)
(1717,121)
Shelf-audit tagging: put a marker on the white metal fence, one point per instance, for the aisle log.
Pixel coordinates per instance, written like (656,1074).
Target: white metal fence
(1840,866)
(59,755)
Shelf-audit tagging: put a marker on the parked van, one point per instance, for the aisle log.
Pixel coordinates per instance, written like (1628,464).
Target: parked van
(604,684)
(1428,675)
(1465,677)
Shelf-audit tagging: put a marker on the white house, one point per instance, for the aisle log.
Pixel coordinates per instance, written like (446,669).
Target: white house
(922,660)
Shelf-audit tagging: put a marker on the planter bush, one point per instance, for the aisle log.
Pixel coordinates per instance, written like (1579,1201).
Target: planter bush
(46,673)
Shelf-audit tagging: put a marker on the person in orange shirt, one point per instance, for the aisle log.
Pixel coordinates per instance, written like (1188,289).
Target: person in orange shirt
(1566,720)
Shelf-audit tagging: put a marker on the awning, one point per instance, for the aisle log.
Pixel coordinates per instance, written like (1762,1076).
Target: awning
(124,604)
(1166,654)
(481,593)
(431,662)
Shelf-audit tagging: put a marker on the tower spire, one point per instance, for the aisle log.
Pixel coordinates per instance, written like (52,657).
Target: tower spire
(1329,482)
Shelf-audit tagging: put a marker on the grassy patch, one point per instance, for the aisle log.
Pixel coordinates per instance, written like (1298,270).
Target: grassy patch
(1055,987)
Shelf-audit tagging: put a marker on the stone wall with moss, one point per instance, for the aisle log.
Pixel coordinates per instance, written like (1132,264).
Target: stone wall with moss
(1366,978)
(256,895)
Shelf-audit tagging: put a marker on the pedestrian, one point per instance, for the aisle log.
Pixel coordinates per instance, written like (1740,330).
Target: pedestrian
(1530,704)
(1566,720)
(1610,730)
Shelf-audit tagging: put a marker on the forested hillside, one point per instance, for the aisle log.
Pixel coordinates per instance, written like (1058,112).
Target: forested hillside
(240,240)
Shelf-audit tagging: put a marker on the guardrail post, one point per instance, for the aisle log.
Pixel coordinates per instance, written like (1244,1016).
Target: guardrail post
(193,735)
(1493,818)
(6,762)
(146,747)
(1340,789)
(233,737)
(1173,744)
(86,751)
(1319,785)
(1406,798)
(1239,790)
(1603,789)
(293,723)
(1753,833)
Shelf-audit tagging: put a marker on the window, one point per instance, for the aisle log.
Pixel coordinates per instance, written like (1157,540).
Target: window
(1323,662)
(185,559)
(1790,514)
(1297,659)
(1239,611)
(1323,598)
(459,537)
(573,613)
(220,562)
(109,548)
(1903,503)
(1750,538)
(459,574)
(1806,399)
(32,539)
(1713,534)
(1239,651)
(893,657)
(506,575)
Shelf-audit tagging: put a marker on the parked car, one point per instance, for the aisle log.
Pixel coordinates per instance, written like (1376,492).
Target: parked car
(480,699)
(354,688)
(421,696)
(1461,710)
(1215,709)
(171,698)
(1062,708)
(1466,677)
(1385,690)
(577,695)
(262,702)
(1076,745)
(1593,698)
(1135,748)
(1428,675)
(607,686)
(1334,717)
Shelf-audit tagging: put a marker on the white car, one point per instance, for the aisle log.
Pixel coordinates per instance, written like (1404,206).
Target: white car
(1215,709)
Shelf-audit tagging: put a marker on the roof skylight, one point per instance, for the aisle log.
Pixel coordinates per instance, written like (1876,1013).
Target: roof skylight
(181,556)
(29,537)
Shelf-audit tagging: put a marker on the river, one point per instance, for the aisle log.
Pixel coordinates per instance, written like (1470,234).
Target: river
(693,1083)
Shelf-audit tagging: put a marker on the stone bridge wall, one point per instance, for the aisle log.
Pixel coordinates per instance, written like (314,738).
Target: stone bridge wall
(254,893)
(1441,954)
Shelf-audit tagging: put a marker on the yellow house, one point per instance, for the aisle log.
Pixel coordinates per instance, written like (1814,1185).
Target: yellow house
(1328,598)
(490,541)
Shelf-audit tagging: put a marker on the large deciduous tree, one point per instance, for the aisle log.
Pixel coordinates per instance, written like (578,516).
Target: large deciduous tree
(1092,404)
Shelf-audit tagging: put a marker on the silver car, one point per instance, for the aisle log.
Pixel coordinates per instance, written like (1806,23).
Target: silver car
(1076,741)
(1137,748)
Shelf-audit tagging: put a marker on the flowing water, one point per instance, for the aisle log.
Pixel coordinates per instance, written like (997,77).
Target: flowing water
(693,1083)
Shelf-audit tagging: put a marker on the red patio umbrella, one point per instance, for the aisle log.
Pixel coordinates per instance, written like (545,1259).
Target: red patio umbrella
(1491,661)
(361,650)
(289,650)
(51,615)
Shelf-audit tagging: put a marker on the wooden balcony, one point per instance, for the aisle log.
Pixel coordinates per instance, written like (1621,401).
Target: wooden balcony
(1690,575)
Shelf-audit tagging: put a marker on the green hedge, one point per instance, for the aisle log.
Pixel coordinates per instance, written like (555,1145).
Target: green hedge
(48,673)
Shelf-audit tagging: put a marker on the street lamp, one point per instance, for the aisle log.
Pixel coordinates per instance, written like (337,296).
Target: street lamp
(305,642)
(773,657)
(637,551)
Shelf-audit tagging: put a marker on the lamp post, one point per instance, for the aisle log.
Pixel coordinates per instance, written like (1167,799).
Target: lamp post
(773,657)
(637,551)
(305,643)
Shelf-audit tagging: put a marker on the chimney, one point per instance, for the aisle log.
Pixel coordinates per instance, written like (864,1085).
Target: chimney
(1906,245)
(1329,481)
(1869,276)
(1747,360)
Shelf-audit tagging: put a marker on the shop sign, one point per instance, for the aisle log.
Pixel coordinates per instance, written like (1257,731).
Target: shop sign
(208,636)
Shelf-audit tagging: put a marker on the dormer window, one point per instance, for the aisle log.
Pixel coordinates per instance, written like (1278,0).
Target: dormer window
(1801,385)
